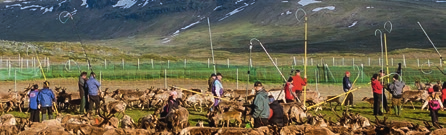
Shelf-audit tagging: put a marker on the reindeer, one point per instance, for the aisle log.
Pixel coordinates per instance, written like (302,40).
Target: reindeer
(410,96)
(127,122)
(369,100)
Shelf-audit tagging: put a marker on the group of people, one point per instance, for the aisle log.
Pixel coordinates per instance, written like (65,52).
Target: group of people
(89,93)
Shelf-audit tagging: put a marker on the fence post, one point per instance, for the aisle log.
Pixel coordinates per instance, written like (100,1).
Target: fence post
(15,82)
(379,61)
(100,79)
(228,62)
(362,72)
(333,62)
(441,63)
(237,79)
(165,78)
(105,63)
(9,67)
(1,61)
(391,60)
(369,61)
(168,64)
(343,64)
(295,63)
(48,66)
(276,62)
(21,64)
(428,63)
(138,63)
(311,61)
(185,63)
(151,61)
(208,62)
(353,62)
(19,60)
(404,60)
(418,62)
(27,66)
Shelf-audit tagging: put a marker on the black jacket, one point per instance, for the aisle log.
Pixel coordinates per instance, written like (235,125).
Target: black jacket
(278,115)
(346,84)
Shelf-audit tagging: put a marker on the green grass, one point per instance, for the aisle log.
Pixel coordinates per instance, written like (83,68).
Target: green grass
(408,114)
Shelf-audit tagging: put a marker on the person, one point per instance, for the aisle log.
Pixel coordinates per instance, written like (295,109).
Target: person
(82,85)
(172,103)
(443,93)
(45,100)
(430,89)
(434,105)
(217,89)
(377,95)
(276,112)
(211,81)
(396,89)
(33,106)
(289,97)
(93,93)
(347,85)
(298,82)
(383,83)
(260,106)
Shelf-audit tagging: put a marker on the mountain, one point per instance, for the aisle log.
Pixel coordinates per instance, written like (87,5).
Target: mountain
(180,26)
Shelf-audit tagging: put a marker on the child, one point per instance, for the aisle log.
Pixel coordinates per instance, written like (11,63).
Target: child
(434,105)
(33,104)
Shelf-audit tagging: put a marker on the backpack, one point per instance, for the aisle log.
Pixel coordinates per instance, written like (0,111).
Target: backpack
(434,105)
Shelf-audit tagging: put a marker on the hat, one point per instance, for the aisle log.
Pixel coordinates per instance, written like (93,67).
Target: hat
(219,74)
(173,93)
(346,72)
(213,74)
(271,99)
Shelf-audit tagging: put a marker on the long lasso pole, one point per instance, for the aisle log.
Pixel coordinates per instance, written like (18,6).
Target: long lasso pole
(212,48)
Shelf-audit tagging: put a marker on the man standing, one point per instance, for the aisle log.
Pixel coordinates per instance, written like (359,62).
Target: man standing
(93,91)
(396,89)
(211,81)
(45,100)
(217,89)
(347,85)
(81,83)
(33,105)
(298,82)
(260,106)
(377,94)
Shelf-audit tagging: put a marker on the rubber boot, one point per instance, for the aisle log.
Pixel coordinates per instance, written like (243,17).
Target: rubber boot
(81,110)
(50,116)
(395,108)
(43,117)
(399,110)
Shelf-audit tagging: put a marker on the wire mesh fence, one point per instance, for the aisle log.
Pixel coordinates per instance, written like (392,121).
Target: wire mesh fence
(324,70)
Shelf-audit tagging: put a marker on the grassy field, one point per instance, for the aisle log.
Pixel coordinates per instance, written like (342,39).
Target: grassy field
(408,114)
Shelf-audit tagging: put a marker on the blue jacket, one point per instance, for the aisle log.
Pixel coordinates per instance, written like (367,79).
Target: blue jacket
(93,86)
(33,99)
(46,97)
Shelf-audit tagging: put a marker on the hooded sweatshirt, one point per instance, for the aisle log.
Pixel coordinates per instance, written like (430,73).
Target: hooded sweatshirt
(93,86)
(396,88)
(46,97)
(261,105)
(33,99)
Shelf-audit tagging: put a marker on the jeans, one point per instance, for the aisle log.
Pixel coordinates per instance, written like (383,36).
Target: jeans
(377,104)
(349,100)
(434,116)
(35,116)
(94,101)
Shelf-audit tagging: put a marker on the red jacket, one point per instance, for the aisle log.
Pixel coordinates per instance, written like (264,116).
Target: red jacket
(287,92)
(298,83)
(377,87)
(430,90)
(443,95)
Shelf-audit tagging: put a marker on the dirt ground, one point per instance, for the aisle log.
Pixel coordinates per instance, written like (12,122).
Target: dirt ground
(71,85)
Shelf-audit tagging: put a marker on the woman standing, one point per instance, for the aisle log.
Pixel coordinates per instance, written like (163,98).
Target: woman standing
(435,104)
(377,95)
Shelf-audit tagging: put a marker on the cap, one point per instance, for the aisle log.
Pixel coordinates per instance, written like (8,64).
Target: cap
(257,84)
(173,93)
(346,72)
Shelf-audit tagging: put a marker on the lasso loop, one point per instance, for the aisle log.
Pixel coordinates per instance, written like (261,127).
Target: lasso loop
(388,29)
(65,16)
(300,18)
(67,67)
(426,68)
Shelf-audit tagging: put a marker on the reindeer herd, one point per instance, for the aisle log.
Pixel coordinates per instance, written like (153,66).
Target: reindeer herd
(112,120)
